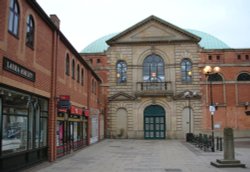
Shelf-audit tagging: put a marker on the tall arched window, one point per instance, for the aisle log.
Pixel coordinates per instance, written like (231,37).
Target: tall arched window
(13,17)
(243,77)
(153,68)
(67,65)
(215,77)
(82,76)
(78,73)
(30,31)
(73,69)
(121,71)
(186,70)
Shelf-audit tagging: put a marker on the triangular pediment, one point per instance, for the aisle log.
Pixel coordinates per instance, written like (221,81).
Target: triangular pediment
(121,96)
(153,29)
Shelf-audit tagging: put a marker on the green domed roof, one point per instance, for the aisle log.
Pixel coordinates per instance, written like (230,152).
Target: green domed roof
(99,45)
(207,42)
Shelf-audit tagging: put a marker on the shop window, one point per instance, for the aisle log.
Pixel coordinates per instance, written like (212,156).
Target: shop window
(14,15)
(67,65)
(186,70)
(243,77)
(24,122)
(30,31)
(73,69)
(78,73)
(121,71)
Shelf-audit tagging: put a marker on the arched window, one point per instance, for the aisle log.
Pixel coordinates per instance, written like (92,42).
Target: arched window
(78,73)
(186,70)
(215,77)
(121,71)
(67,65)
(73,69)
(13,17)
(153,68)
(30,31)
(243,77)
(82,76)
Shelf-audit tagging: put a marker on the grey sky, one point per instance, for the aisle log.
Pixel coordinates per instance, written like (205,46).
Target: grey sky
(83,21)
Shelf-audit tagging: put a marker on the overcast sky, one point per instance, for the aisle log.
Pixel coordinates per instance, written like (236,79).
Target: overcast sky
(84,21)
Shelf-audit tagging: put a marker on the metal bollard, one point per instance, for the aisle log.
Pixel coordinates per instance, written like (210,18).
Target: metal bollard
(221,149)
(217,143)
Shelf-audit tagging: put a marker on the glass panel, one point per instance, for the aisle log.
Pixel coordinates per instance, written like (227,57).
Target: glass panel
(146,120)
(37,128)
(31,123)
(157,134)
(151,126)
(152,134)
(75,131)
(162,127)
(157,127)
(151,120)
(156,119)
(59,133)
(44,126)
(162,134)
(14,134)
(43,104)
(146,126)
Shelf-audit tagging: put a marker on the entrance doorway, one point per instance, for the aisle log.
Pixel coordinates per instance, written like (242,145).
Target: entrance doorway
(154,122)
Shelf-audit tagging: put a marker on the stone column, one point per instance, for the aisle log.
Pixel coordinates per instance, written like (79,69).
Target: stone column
(229,155)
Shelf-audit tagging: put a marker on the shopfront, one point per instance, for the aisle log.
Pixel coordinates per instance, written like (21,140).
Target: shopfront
(71,128)
(24,128)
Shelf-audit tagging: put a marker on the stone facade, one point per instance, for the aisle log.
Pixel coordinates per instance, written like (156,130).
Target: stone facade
(172,44)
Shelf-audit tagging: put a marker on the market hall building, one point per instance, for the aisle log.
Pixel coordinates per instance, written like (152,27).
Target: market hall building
(49,104)
(157,89)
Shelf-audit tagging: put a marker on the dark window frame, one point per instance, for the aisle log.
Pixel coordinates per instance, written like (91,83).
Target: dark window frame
(14,17)
(67,65)
(186,68)
(30,30)
(153,68)
(121,71)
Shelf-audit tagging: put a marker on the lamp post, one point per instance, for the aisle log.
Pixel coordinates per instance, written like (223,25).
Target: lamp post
(188,95)
(208,70)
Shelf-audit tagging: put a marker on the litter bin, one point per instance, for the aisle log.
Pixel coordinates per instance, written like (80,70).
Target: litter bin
(189,137)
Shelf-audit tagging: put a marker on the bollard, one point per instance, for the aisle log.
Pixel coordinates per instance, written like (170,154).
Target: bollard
(217,143)
(221,144)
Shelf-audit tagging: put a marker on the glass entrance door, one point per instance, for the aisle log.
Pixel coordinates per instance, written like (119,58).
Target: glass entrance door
(154,122)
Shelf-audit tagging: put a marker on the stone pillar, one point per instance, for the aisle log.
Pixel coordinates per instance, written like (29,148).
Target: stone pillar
(229,155)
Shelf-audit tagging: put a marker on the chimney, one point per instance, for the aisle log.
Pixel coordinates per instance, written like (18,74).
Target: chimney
(55,20)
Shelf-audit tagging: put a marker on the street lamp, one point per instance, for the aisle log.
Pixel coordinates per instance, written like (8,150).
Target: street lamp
(208,70)
(188,95)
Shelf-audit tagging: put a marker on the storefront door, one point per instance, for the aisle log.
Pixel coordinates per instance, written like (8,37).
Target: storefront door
(154,122)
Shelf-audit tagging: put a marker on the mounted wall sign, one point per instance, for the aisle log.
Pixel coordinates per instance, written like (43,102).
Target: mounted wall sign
(17,69)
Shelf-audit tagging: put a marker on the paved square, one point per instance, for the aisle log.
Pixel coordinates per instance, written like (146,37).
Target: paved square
(144,156)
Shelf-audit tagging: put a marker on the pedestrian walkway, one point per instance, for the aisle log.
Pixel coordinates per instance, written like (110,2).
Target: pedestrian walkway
(143,156)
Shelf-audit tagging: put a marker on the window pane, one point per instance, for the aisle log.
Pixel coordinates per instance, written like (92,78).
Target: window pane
(14,134)
(153,69)
(44,126)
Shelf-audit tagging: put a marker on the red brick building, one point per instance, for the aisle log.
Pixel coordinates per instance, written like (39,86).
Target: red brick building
(49,95)
(230,89)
